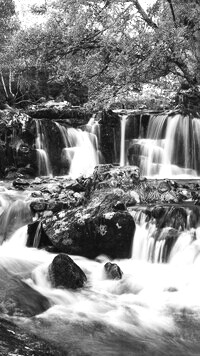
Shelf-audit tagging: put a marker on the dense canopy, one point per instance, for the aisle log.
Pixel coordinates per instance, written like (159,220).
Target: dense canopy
(106,50)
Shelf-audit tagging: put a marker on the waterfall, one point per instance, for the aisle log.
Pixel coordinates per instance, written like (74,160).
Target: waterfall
(169,148)
(44,166)
(122,145)
(81,148)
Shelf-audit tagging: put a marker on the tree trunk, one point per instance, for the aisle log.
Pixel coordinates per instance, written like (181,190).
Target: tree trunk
(4,86)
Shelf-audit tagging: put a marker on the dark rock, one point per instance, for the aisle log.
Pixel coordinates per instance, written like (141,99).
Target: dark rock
(20,182)
(27,171)
(18,298)
(164,187)
(38,205)
(134,155)
(64,272)
(18,341)
(194,217)
(55,206)
(175,217)
(119,206)
(80,233)
(113,271)
(37,236)
(36,194)
(158,212)
(110,134)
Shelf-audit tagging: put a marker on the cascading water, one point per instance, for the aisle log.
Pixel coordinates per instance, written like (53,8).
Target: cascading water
(81,149)
(169,148)
(44,166)
(145,313)
(122,145)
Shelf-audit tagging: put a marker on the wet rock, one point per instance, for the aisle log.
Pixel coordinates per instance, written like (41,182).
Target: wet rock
(134,154)
(20,183)
(80,233)
(164,187)
(18,341)
(175,217)
(105,177)
(18,298)
(194,217)
(110,133)
(119,206)
(38,205)
(28,172)
(169,197)
(158,212)
(184,194)
(36,194)
(37,180)
(65,273)
(55,206)
(113,271)
(36,236)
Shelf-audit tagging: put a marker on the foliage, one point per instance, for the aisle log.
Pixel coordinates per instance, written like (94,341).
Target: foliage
(112,47)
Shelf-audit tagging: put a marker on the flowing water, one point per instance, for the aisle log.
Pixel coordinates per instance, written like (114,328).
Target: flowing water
(81,149)
(168,149)
(122,145)
(153,310)
(44,165)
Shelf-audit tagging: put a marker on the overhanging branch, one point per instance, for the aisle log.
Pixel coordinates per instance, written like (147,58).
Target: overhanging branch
(172,11)
(144,15)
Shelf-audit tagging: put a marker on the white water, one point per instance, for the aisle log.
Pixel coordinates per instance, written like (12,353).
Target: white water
(44,165)
(81,149)
(171,147)
(133,316)
(122,145)
(109,317)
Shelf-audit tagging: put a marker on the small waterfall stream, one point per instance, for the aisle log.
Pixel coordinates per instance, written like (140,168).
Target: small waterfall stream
(81,148)
(44,166)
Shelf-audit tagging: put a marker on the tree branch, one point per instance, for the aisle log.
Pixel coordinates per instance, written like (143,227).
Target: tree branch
(144,15)
(172,11)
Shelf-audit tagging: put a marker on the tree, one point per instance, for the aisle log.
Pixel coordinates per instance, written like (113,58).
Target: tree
(8,25)
(115,47)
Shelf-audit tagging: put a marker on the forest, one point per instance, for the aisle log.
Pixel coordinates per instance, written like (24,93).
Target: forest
(100,54)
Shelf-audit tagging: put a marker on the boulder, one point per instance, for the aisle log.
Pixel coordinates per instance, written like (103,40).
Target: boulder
(18,298)
(79,232)
(65,273)
(113,271)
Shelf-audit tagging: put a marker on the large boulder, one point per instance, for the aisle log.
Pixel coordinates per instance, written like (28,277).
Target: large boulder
(65,273)
(80,233)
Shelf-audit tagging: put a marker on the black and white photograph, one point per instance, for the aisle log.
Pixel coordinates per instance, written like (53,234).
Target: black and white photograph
(99,178)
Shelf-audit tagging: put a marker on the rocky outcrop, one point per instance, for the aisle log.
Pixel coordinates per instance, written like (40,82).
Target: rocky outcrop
(52,110)
(91,216)
(65,273)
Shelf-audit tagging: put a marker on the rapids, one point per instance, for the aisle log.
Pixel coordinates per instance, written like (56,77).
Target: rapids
(153,310)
